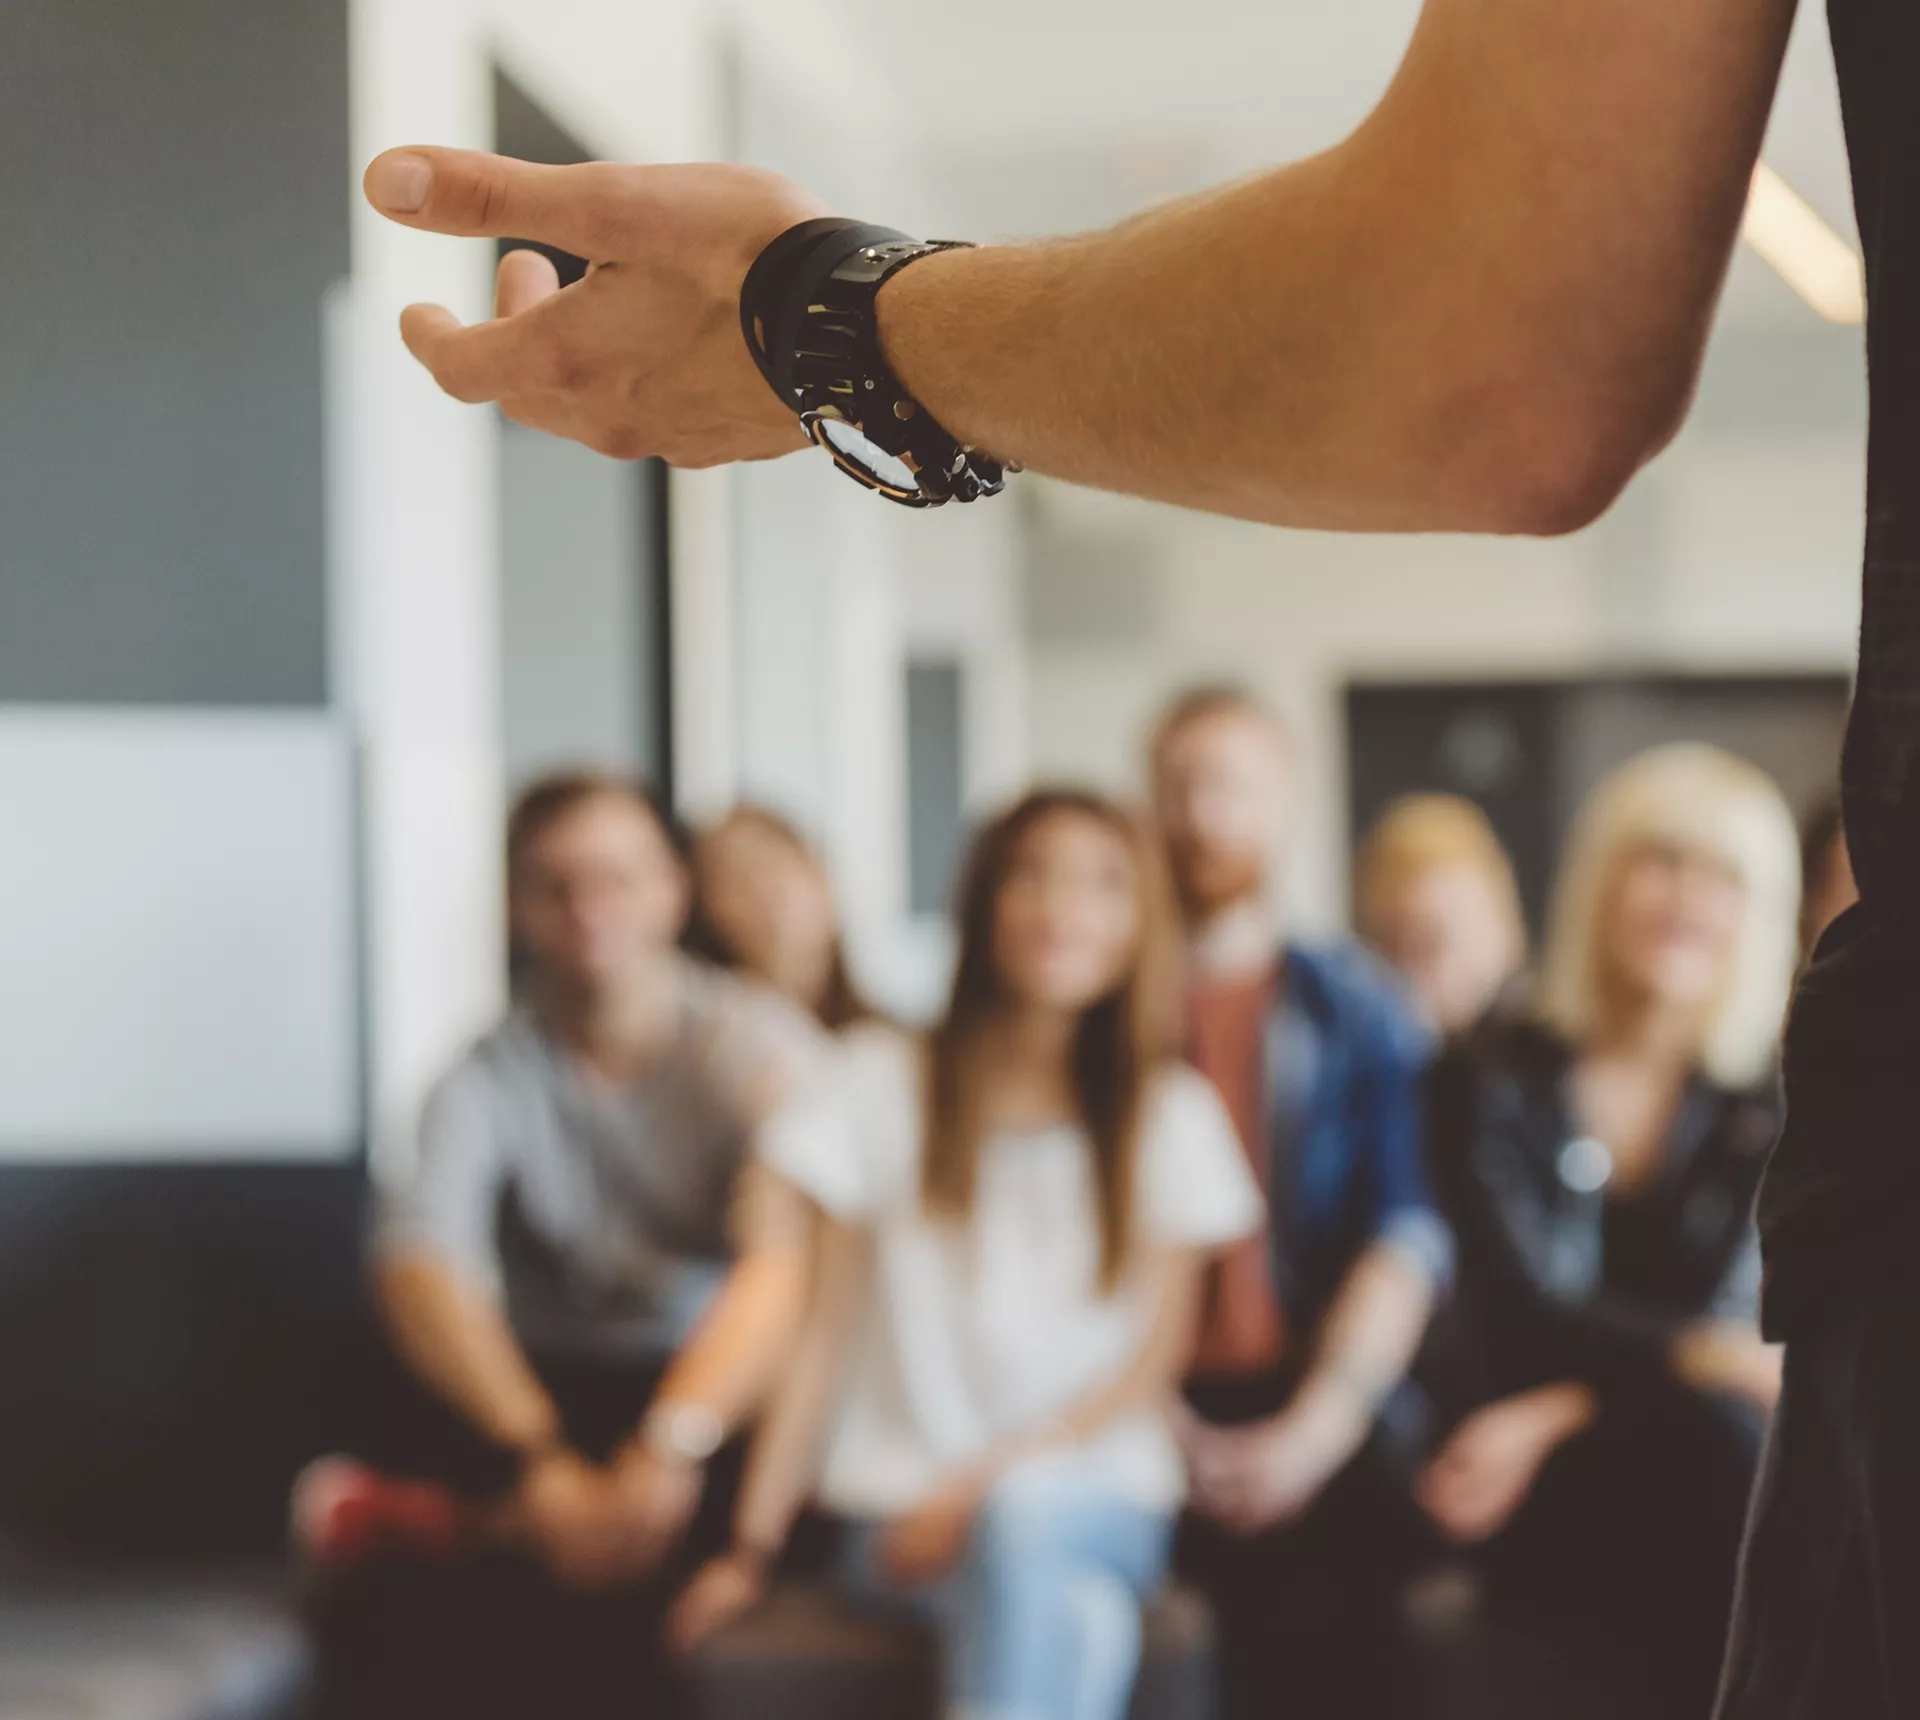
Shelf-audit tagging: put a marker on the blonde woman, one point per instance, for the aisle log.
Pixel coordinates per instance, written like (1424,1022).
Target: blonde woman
(1434,893)
(1599,1162)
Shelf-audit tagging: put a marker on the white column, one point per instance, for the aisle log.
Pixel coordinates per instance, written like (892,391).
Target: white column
(418,509)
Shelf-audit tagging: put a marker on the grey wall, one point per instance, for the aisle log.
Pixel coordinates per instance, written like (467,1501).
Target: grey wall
(578,609)
(174,1337)
(584,624)
(174,193)
(936,813)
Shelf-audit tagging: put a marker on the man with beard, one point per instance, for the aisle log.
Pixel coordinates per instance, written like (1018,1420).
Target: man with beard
(1301,1528)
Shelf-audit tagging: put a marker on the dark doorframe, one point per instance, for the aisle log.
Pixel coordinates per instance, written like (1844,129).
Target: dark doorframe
(1527,751)
(524,129)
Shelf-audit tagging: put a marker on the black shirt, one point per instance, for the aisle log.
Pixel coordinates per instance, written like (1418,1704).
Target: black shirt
(1841,1207)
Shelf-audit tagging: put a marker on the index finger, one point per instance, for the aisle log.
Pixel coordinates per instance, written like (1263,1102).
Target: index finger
(587,209)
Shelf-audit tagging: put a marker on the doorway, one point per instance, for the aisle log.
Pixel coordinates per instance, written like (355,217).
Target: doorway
(585,588)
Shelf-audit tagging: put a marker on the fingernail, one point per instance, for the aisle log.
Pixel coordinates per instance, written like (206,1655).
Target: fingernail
(400,182)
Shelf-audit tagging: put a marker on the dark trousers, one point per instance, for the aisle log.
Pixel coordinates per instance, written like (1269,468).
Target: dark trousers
(491,1635)
(1626,1548)
(1827,1619)
(1311,1615)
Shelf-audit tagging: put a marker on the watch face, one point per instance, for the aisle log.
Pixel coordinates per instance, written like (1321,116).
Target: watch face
(851,448)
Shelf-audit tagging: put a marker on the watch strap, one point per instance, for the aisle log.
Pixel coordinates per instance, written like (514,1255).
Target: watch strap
(807,312)
(773,297)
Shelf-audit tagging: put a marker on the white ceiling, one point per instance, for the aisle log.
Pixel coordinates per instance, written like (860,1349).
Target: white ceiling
(1049,115)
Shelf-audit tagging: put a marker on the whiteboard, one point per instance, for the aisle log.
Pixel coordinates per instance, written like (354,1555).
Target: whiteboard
(179,951)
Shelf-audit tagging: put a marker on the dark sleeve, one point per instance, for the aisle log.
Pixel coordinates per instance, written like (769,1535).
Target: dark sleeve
(1752,1125)
(1737,1296)
(1487,1156)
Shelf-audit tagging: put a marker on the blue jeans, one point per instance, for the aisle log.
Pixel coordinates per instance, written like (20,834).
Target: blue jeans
(1042,1619)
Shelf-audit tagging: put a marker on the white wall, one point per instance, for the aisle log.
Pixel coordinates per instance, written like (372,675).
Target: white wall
(834,589)
(416,503)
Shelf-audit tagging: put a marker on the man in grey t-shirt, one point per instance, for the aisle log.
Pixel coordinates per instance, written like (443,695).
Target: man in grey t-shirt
(596,1208)
(555,1268)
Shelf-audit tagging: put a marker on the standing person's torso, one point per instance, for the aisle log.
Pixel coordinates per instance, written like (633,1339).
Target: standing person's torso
(1844,1192)
(984,1328)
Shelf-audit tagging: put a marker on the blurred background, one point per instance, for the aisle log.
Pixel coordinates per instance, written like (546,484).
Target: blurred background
(280,627)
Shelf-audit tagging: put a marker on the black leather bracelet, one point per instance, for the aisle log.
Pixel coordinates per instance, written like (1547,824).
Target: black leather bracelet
(807,314)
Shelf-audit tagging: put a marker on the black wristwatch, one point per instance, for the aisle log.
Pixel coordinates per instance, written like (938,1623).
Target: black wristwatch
(807,311)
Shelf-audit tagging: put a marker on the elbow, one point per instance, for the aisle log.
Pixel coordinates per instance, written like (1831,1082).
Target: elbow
(1563,479)
(1554,493)
(1565,452)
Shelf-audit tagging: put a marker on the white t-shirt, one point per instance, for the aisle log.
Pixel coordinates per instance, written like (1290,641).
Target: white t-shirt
(974,1332)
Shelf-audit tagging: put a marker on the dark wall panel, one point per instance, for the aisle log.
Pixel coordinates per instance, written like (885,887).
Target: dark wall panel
(175,1340)
(936,813)
(1528,752)
(174,186)
(173,207)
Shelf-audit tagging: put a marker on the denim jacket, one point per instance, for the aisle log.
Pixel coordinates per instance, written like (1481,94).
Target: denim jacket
(1345,1065)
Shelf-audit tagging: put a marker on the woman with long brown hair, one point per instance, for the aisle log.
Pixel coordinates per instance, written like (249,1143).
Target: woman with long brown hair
(1016,1211)
(763,906)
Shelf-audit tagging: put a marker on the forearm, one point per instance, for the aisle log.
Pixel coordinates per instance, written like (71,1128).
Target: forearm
(456,1338)
(1729,1356)
(1479,312)
(1563,1409)
(736,1352)
(786,1448)
(1372,1332)
(730,1362)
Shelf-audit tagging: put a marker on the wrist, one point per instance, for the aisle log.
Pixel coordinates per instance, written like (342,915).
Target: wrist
(1566,1408)
(1342,1408)
(679,1433)
(809,310)
(963,331)
(534,1449)
(906,317)
(753,1556)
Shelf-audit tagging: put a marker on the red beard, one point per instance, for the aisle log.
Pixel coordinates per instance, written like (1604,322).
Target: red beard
(1208,880)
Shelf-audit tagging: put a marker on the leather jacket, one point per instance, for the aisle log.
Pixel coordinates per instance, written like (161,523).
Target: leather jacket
(1556,1280)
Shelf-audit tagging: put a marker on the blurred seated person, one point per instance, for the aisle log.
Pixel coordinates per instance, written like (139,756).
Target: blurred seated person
(763,905)
(1827,868)
(1302,1529)
(1599,1162)
(573,1350)
(1435,895)
(1018,1208)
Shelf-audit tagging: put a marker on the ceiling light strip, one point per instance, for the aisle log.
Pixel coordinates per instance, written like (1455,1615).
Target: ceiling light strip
(1790,234)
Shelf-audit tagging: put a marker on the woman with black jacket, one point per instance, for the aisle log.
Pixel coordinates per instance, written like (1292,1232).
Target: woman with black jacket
(1599,1160)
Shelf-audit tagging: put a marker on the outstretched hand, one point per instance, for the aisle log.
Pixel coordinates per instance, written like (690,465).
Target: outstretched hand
(644,356)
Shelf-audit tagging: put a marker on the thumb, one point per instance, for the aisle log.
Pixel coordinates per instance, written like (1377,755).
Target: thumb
(589,210)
